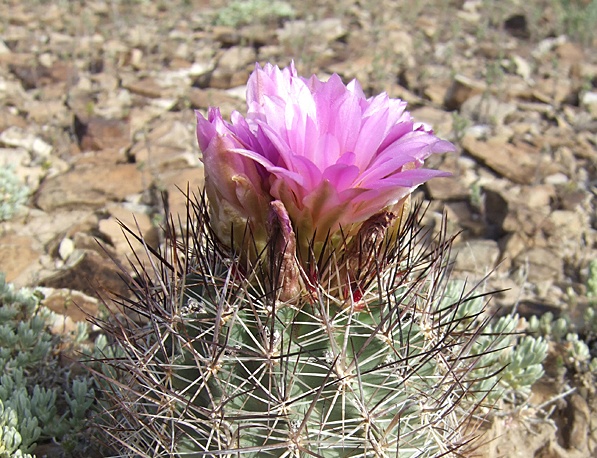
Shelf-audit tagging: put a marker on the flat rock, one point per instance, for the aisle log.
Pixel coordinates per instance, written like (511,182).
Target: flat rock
(461,89)
(169,145)
(519,162)
(17,255)
(205,98)
(90,187)
(487,109)
(476,256)
(146,87)
(123,243)
(322,31)
(97,133)
(71,304)
(441,121)
(233,67)
(540,265)
(176,182)
(90,273)
(45,227)
(17,137)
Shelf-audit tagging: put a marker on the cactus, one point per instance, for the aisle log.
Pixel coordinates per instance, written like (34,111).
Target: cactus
(210,363)
(312,315)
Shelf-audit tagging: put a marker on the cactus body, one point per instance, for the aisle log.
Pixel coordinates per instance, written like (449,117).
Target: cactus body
(217,366)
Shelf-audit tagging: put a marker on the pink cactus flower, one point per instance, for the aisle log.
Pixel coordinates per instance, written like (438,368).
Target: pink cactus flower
(332,156)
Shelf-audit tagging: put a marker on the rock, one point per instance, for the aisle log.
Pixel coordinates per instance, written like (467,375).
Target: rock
(66,248)
(447,189)
(233,67)
(462,89)
(476,256)
(170,145)
(11,119)
(90,187)
(140,117)
(589,102)
(48,112)
(565,228)
(97,133)
(72,304)
(553,91)
(146,87)
(487,109)
(17,137)
(323,31)
(463,216)
(14,157)
(523,67)
(439,120)
(19,254)
(540,265)
(518,162)
(569,53)
(176,182)
(90,273)
(111,229)
(48,227)
(34,76)
(205,98)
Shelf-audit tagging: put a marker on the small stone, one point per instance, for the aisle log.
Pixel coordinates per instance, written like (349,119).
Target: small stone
(476,256)
(146,87)
(523,67)
(570,53)
(140,223)
(233,67)
(556,179)
(518,162)
(175,182)
(169,145)
(540,265)
(589,102)
(97,133)
(487,109)
(439,120)
(72,304)
(461,90)
(566,226)
(90,273)
(66,248)
(90,187)
(322,31)
(18,253)
(17,137)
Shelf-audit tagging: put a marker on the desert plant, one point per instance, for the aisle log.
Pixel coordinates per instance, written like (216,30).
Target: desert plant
(243,12)
(13,193)
(40,399)
(219,367)
(255,334)
(577,19)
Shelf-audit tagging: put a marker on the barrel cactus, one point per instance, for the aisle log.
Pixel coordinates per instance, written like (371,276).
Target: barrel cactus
(301,308)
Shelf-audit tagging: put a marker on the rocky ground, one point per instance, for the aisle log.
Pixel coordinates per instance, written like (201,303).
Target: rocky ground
(96,117)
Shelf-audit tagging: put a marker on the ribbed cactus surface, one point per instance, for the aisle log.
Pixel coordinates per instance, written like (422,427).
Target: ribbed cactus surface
(210,363)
